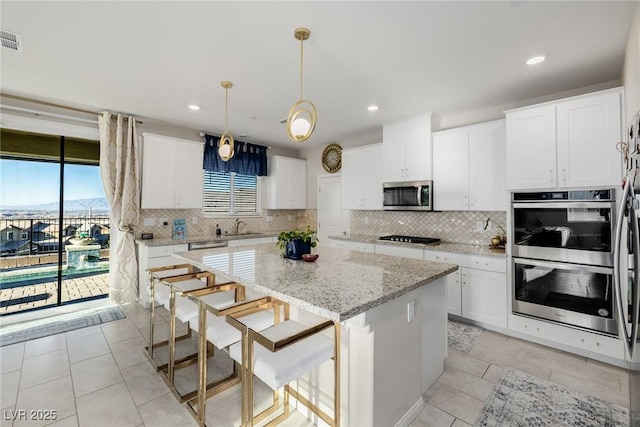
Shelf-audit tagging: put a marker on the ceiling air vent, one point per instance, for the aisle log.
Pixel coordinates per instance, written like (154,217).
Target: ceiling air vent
(11,40)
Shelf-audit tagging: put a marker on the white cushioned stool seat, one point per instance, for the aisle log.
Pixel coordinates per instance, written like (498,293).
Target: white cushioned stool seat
(280,368)
(186,309)
(161,294)
(221,334)
(184,286)
(162,291)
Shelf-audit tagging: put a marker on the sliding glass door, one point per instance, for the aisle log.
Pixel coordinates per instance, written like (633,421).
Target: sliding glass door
(54,224)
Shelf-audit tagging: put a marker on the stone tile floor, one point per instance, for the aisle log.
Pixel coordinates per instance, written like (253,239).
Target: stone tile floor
(14,300)
(99,376)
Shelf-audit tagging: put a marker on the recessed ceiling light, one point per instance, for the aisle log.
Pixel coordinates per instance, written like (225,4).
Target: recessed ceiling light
(194,107)
(535,60)
(372,108)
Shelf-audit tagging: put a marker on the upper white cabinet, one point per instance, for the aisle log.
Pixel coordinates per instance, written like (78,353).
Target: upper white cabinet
(172,174)
(566,144)
(286,184)
(362,177)
(406,148)
(469,168)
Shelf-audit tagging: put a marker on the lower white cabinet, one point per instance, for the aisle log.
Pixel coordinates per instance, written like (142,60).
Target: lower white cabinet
(478,290)
(154,256)
(484,296)
(400,251)
(355,246)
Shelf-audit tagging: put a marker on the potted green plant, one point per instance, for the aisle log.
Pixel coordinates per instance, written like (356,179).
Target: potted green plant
(296,243)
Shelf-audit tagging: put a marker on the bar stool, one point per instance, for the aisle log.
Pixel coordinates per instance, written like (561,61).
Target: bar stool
(161,295)
(281,354)
(181,308)
(212,328)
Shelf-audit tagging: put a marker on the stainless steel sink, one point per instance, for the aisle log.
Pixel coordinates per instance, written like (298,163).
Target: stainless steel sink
(245,234)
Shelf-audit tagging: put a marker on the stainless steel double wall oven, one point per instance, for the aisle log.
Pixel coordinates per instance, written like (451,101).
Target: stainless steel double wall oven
(562,252)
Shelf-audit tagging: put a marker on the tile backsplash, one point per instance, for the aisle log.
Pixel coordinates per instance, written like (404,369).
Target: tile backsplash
(457,227)
(269,221)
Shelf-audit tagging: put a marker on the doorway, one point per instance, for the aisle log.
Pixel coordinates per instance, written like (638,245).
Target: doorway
(330,215)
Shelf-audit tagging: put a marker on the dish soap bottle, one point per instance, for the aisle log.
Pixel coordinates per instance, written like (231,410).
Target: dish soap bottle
(218,231)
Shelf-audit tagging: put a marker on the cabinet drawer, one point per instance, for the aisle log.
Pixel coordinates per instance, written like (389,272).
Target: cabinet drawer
(161,251)
(356,246)
(565,336)
(448,257)
(485,263)
(400,251)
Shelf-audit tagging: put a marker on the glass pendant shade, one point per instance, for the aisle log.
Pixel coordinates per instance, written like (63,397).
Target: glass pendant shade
(226,145)
(301,120)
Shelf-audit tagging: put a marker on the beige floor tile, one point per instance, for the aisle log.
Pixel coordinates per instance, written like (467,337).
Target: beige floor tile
(457,403)
(119,330)
(144,383)
(83,332)
(493,373)
(11,357)
(557,360)
(55,395)
(94,374)
(433,417)
(71,421)
(609,393)
(86,347)
(466,383)
(9,383)
(166,411)
(45,367)
(111,406)
(460,423)
(431,391)
(466,363)
(129,352)
(45,345)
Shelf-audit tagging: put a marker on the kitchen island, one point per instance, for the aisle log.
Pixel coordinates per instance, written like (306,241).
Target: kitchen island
(393,317)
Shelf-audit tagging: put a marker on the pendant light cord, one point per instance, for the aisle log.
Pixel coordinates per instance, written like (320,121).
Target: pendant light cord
(226,107)
(301,65)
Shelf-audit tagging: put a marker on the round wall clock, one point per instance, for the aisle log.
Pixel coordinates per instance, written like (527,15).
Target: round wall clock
(332,158)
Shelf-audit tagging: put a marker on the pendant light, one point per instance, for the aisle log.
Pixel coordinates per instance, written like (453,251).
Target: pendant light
(301,120)
(225,144)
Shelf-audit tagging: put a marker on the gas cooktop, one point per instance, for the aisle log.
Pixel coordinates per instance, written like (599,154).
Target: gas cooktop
(410,239)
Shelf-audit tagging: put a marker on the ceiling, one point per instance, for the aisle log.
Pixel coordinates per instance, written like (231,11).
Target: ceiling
(154,58)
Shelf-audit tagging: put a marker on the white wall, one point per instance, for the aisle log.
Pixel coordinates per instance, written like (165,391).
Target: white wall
(313,155)
(631,69)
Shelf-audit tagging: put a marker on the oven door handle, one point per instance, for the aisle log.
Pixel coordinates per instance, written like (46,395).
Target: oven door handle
(635,231)
(564,266)
(564,205)
(622,322)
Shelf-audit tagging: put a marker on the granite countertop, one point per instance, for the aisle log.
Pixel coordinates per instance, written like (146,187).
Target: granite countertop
(165,241)
(459,248)
(339,285)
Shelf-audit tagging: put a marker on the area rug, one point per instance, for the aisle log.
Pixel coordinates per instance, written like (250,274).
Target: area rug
(519,399)
(25,331)
(462,336)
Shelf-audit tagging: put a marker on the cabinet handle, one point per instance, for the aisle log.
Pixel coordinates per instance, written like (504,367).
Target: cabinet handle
(564,176)
(406,171)
(552,176)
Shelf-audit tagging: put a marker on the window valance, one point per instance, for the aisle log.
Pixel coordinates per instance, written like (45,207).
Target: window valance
(249,159)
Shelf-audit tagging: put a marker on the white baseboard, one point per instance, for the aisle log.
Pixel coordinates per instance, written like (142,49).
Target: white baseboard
(411,415)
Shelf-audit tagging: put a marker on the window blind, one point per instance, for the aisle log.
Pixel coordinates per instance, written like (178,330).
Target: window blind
(230,193)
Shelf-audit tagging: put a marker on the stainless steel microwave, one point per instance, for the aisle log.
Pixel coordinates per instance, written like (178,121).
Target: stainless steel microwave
(408,196)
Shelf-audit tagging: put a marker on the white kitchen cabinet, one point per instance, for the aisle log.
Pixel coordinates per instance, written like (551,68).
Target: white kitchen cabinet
(484,296)
(154,256)
(172,173)
(401,251)
(565,144)
(355,246)
(478,290)
(468,168)
(362,178)
(406,148)
(286,184)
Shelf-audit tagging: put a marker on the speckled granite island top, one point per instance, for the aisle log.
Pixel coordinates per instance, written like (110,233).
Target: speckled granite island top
(339,285)
(166,241)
